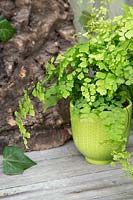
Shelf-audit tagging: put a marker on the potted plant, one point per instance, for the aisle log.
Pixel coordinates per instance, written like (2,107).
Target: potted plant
(95,76)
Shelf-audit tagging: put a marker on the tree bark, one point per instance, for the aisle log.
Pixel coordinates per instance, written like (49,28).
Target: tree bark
(44,29)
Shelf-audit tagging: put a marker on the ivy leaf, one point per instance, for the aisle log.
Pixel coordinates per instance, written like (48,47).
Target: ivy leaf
(15,161)
(6,30)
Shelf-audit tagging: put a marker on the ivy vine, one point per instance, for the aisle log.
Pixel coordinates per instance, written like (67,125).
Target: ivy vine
(14,159)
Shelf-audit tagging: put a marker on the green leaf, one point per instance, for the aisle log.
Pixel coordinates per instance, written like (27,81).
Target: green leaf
(70,77)
(49,103)
(15,161)
(87,80)
(83,64)
(6,30)
(84,18)
(81,76)
(32,112)
(129,34)
(99,56)
(101,90)
(84,48)
(66,94)
(100,75)
(102,65)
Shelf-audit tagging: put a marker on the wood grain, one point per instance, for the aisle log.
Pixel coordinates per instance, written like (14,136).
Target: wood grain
(62,173)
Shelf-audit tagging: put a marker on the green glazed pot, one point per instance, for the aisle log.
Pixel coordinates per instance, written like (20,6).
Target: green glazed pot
(89,136)
(131,92)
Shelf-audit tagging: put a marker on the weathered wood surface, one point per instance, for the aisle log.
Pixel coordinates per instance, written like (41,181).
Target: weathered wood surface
(62,173)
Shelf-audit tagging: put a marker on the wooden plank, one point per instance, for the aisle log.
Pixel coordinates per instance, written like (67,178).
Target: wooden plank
(62,173)
(65,183)
(53,153)
(48,170)
(95,185)
(91,186)
(123,196)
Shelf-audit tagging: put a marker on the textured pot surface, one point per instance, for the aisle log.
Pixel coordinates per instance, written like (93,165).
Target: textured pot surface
(90,136)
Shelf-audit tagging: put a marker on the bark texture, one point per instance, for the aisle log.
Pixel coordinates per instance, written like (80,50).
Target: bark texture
(44,29)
